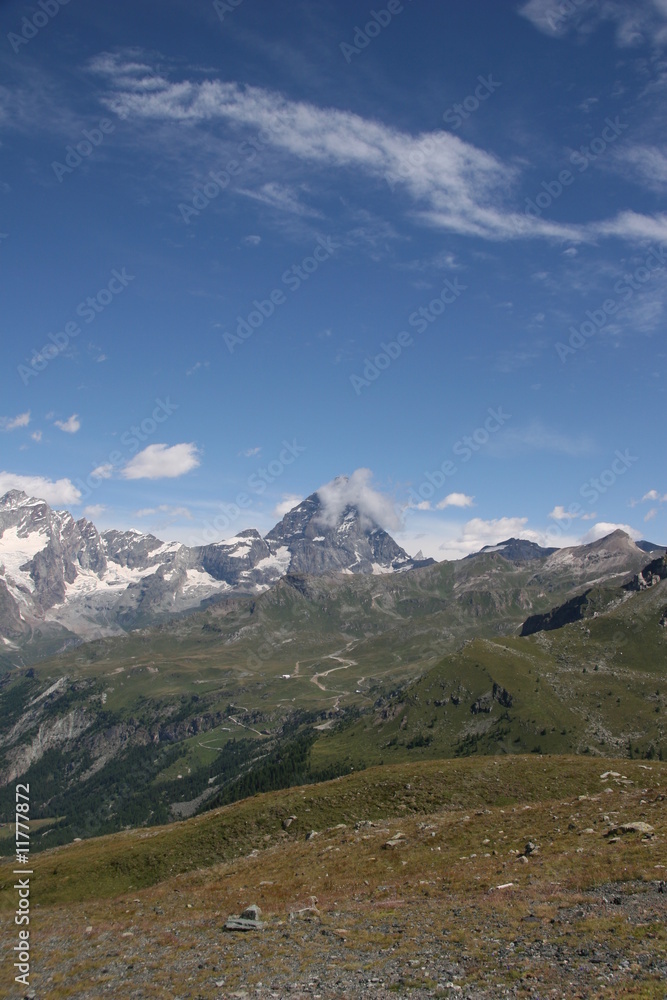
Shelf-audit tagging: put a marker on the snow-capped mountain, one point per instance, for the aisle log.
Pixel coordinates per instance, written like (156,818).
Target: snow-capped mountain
(64,579)
(350,543)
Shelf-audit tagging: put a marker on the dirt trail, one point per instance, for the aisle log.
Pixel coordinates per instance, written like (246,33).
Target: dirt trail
(378,607)
(315,679)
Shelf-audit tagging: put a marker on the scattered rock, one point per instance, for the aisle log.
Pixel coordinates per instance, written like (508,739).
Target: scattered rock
(307,913)
(249,920)
(530,848)
(396,841)
(637,827)
(311,834)
(287,822)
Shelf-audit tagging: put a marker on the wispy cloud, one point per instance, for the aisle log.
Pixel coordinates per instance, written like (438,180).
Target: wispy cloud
(11,423)
(104,471)
(646,164)
(637,23)
(164,508)
(282,198)
(537,437)
(94,510)
(450,184)
(159,461)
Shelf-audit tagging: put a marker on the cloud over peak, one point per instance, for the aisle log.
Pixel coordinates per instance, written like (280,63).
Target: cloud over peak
(357,491)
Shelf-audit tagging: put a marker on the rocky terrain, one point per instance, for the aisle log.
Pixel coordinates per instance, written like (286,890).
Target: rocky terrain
(498,877)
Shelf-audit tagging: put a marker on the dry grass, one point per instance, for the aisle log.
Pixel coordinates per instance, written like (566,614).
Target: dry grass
(581,897)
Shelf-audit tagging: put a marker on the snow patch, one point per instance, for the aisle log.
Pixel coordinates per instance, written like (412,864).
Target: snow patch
(15,551)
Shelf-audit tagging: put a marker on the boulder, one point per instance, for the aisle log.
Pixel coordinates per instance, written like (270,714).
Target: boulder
(249,920)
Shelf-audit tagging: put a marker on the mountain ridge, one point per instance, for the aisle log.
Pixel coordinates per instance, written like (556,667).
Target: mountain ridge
(66,580)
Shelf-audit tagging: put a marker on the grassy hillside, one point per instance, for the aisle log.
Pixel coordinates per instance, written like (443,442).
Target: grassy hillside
(416,876)
(597,686)
(164,721)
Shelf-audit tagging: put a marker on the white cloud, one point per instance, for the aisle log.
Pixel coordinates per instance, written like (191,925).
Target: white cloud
(62,491)
(451,540)
(197,365)
(456,185)
(70,426)
(648,164)
(164,508)
(159,461)
(36,436)
(251,241)
(650,514)
(357,491)
(653,495)
(453,185)
(250,452)
(11,423)
(455,500)
(104,471)
(94,510)
(477,533)
(423,505)
(279,196)
(603,528)
(288,502)
(589,517)
(636,23)
(559,513)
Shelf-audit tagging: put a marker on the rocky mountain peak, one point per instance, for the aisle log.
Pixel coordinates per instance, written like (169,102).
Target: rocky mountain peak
(322,540)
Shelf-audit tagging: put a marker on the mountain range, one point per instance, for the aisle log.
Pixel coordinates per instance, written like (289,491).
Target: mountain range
(61,580)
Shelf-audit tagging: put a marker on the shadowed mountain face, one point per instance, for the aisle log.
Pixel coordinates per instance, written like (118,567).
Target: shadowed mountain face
(66,579)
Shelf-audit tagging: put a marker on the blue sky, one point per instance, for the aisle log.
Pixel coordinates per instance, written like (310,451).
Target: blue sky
(247,248)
